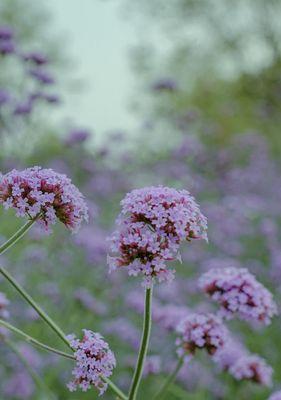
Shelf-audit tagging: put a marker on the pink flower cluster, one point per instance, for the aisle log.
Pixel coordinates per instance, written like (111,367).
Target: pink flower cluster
(153,223)
(239,293)
(44,193)
(94,361)
(252,367)
(4,302)
(200,331)
(242,365)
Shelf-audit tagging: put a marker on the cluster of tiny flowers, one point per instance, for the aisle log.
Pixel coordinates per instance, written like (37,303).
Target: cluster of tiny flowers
(4,302)
(252,367)
(45,194)
(275,396)
(200,331)
(239,293)
(94,361)
(152,224)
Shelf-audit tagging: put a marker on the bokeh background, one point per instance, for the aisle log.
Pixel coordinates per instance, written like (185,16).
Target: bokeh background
(183,93)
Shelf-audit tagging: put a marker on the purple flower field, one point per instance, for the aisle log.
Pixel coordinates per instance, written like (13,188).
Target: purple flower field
(142,263)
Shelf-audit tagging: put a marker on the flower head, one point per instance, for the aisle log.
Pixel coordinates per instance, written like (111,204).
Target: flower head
(252,367)
(200,331)
(94,361)
(239,293)
(43,193)
(152,224)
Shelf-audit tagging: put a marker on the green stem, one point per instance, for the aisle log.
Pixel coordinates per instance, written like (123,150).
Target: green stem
(34,341)
(33,304)
(36,306)
(19,234)
(37,379)
(162,392)
(143,347)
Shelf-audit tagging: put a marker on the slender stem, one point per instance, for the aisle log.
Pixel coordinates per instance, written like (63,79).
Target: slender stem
(34,341)
(37,379)
(144,345)
(115,389)
(33,304)
(162,392)
(38,309)
(13,239)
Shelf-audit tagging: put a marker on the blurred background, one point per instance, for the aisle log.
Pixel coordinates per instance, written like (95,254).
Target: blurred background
(122,94)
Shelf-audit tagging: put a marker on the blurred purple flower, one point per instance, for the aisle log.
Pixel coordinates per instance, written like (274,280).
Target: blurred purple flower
(36,58)
(7,47)
(165,84)
(77,136)
(42,76)
(6,33)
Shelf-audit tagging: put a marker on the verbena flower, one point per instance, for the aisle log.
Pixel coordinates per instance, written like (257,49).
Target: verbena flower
(252,367)
(200,331)
(229,354)
(94,361)
(36,191)
(152,224)
(6,33)
(239,293)
(275,396)
(4,302)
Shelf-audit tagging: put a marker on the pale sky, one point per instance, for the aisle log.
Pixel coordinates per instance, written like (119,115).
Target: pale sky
(99,40)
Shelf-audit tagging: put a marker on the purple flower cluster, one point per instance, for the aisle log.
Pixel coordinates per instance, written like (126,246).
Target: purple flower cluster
(239,293)
(94,361)
(252,367)
(153,223)
(275,396)
(44,193)
(7,45)
(4,302)
(200,331)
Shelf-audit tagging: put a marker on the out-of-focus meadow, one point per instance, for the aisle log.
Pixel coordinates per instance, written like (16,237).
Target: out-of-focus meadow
(206,97)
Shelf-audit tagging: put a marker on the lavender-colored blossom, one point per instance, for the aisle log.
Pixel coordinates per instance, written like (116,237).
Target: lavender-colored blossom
(41,192)
(229,354)
(4,97)
(165,84)
(152,366)
(7,47)
(254,368)
(36,58)
(199,331)
(77,136)
(275,396)
(94,361)
(6,33)
(23,108)
(87,300)
(19,386)
(239,293)
(152,224)
(42,76)
(4,302)
(168,316)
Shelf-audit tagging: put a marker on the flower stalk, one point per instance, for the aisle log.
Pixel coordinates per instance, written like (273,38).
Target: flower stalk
(144,345)
(34,341)
(34,305)
(18,235)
